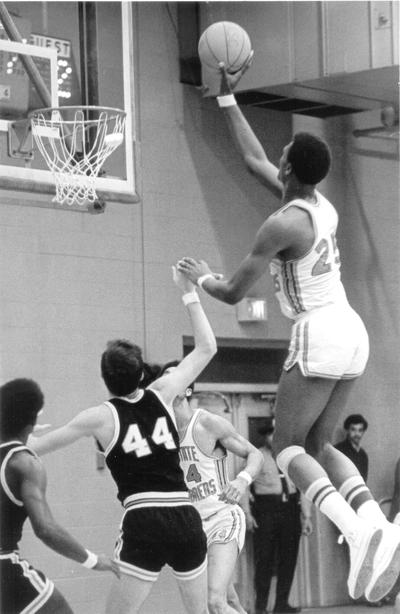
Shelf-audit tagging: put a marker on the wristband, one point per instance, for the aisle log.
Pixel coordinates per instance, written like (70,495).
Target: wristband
(203,278)
(246,476)
(190,297)
(91,560)
(228,100)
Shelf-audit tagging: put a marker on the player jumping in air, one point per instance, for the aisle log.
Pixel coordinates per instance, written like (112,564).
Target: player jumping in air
(328,348)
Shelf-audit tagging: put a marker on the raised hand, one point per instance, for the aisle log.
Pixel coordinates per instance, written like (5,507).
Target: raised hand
(230,80)
(193,269)
(182,281)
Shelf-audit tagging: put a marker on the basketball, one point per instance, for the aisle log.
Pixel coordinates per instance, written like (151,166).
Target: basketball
(224,41)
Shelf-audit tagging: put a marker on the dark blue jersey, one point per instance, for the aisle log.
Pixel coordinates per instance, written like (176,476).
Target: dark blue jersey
(13,514)
(144,453)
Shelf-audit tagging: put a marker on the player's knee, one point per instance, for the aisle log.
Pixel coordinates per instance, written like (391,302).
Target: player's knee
(316,445)
(282,440)
(286,456)
(216,601)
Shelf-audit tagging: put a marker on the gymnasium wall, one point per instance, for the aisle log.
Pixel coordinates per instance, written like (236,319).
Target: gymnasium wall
(71,281)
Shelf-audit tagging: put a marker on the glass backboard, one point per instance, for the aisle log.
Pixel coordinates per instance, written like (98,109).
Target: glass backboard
(82,54)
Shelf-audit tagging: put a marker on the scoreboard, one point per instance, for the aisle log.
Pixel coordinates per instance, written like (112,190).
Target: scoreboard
(17,94)
(65,64)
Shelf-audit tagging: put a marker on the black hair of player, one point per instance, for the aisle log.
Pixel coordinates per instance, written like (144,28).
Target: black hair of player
(355,419)
(310,158)
(20,402)
(174,363)
(121,367)
(150,373)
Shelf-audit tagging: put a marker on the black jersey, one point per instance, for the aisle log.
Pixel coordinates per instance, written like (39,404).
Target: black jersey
(144,453)
(13,514)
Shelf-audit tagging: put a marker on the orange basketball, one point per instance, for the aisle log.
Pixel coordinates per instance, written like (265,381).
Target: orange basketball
(224,41)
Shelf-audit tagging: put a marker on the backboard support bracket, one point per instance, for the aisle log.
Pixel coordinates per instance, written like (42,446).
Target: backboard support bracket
(20,139)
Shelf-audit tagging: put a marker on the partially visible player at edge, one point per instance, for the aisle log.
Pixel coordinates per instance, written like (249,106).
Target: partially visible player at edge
(137,430)
(22,496)
(329,344)
(205,439)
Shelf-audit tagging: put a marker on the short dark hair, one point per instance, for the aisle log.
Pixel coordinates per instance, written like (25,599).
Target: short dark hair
(121,367)
(150,373)
(355,419)
(20,402)
(174,363)
(310,158)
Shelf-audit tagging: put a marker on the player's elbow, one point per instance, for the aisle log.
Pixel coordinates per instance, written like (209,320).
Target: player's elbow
(43,530)
(206,351)
(211,348)
(233,295)
(253,164)
(231,299)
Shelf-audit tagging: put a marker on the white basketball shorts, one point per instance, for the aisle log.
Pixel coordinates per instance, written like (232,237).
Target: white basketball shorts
(329,342)
(226,525)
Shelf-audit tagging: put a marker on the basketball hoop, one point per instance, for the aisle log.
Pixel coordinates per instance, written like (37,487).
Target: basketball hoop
(75,141)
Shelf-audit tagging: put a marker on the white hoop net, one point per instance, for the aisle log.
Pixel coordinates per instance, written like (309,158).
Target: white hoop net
(75,142)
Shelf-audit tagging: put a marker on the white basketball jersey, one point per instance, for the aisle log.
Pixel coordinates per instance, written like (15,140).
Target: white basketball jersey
(205,475)
(313,280)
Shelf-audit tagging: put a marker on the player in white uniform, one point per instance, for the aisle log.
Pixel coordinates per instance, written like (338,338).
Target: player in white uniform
(205,439)
(328,348)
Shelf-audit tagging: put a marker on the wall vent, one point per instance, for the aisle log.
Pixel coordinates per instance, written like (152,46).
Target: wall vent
(264,100)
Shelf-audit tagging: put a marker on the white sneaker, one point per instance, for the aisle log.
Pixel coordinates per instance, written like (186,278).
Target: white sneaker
(386,564)
(363,545)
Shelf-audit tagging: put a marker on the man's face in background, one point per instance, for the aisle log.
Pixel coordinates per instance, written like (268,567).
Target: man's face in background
(355,433)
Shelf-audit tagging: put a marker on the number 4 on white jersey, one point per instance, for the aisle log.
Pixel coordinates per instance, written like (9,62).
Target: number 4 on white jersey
(135,442)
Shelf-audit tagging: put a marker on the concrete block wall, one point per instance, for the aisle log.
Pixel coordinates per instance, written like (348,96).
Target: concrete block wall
(70,282)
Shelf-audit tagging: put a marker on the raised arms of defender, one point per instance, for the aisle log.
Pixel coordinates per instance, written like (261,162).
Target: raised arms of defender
(205,347)
(97,421)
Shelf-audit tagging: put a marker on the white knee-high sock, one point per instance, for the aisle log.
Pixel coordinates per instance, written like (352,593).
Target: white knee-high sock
(325,496)
(358,495)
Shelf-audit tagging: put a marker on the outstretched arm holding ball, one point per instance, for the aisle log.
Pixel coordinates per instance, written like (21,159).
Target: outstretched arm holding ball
(226,47)
(247,143)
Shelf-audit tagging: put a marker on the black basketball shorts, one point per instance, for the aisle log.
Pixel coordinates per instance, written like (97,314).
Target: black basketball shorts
(151,537)
(22,588)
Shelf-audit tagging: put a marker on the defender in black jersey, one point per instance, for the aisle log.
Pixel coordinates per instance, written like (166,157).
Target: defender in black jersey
(24,589)
(137,431)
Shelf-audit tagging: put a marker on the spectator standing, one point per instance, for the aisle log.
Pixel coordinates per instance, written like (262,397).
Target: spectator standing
(277,519)
(355,426)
